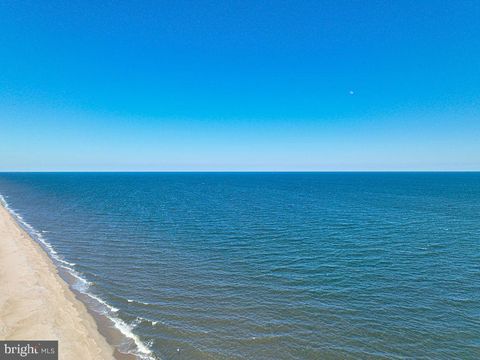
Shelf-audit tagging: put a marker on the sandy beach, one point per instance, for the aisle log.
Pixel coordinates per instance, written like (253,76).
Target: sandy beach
(36,304)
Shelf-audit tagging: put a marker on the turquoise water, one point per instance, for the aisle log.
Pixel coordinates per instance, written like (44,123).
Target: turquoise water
(269,265)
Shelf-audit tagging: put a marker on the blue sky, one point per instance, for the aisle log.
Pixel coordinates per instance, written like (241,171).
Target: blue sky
(240,85)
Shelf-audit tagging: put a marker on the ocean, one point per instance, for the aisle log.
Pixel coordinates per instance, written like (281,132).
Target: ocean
(266,265)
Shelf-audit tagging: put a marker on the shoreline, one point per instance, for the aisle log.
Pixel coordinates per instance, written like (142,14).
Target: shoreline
(36,301)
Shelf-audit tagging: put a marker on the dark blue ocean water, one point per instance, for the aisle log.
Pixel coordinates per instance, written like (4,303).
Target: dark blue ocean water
(270,265)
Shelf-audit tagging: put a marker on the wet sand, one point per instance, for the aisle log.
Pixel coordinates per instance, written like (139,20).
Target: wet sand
(37,304)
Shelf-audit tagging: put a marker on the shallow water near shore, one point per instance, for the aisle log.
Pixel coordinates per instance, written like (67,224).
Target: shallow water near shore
(268,265)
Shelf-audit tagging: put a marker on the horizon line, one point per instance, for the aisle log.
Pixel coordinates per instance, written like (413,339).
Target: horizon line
(238,171)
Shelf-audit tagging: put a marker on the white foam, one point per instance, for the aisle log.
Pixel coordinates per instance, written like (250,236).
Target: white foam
(103,302)
(126,330)
(66,262)
(137,321)
(140,319)
(138,302)
(82,284)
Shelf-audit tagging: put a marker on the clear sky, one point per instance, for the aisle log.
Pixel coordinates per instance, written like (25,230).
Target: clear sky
(240,85)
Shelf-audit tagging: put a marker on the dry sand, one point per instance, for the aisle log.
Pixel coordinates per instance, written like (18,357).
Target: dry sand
(36,304)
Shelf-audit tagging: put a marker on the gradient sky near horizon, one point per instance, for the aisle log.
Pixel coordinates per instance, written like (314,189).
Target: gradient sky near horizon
(239,85)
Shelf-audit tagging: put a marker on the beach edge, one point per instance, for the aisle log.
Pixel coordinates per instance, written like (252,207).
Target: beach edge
(36,303)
